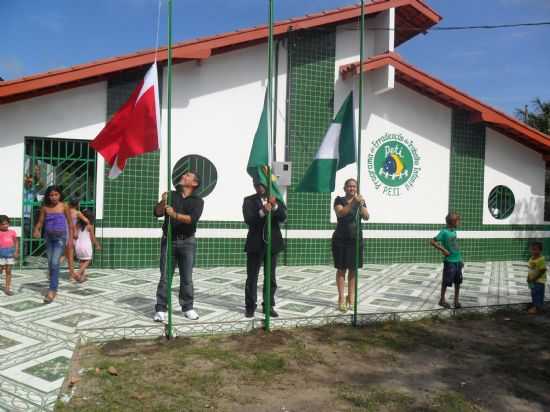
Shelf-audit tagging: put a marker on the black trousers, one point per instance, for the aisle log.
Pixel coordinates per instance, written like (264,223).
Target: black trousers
(253,263)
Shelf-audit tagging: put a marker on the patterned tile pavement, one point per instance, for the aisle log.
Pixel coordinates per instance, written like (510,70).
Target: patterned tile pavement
(37,340)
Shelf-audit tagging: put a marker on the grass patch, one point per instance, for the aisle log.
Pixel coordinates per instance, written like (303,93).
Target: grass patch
(430,365)
(451,401)
(376,399)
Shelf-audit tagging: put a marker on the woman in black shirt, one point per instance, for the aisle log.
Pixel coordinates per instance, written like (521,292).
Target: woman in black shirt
(344,241)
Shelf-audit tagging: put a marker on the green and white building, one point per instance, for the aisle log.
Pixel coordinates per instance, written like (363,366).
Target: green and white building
(427,148)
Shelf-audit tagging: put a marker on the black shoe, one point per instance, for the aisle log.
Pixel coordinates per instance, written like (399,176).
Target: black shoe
(249,313)
(272,313)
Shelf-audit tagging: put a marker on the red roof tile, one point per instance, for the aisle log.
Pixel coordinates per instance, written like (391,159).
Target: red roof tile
(409,12)
(428,85)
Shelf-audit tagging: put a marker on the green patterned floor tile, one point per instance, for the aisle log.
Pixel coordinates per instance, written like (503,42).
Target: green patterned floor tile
(96,275)
(6,343)
(217,280)
(72,321)
(421,274)
(51,370)
(23,305)
(312,271)
(136,301)
(410,281)
(134,282)
(292,278)
(86,292)
(385,302)
(297,307)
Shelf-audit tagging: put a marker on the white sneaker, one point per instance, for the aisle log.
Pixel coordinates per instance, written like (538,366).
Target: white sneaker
(191,314)
(160,317)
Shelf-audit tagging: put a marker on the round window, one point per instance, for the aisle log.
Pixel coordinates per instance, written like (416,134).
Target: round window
(501,202)
(204,168)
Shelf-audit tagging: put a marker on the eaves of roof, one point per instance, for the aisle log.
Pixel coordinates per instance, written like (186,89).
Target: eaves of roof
(441,92)
(412,17)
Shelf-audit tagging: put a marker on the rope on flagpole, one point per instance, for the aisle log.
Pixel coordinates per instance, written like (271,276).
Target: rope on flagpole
(158,31)
(359,126)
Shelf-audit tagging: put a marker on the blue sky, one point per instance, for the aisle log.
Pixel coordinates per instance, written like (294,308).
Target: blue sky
(505,68)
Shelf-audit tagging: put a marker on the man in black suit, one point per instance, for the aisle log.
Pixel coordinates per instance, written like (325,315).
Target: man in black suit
(255,210)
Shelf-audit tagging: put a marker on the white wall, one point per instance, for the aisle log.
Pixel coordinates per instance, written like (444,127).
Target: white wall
(427,125)
(522,170)
(398,111)
(71,114)
(216,110)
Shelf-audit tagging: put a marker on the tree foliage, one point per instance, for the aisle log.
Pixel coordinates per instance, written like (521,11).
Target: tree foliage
(539,117)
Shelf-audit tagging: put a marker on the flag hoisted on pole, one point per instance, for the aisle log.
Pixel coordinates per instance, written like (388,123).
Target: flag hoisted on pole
(134,129)
(359,126)
(169,250)
(259,157)
(259,165)
(336,151)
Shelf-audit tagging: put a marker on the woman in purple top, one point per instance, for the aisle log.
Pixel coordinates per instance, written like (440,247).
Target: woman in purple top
(56,220)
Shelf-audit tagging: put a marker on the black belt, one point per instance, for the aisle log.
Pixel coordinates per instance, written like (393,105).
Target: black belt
(179,236)
(182,236)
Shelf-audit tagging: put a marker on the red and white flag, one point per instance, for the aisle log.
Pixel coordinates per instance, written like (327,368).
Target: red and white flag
(135,128)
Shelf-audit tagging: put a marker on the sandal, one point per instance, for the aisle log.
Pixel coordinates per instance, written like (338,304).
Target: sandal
(444,304)
(342,307)
(458,305)
(349,305)
(49,299)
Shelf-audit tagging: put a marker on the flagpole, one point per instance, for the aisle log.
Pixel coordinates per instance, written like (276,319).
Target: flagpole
(267,261)
(359,127)
(168,267)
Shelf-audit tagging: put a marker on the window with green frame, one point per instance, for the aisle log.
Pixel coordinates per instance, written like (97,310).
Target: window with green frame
(501,202)
(200,165)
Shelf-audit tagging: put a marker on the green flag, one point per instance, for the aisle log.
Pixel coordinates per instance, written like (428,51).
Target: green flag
(336,151)
(258,160)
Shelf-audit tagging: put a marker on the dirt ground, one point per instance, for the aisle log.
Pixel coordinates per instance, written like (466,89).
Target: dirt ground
(499,362)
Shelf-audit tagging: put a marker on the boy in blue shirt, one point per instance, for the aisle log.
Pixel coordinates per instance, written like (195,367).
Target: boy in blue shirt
(446,242)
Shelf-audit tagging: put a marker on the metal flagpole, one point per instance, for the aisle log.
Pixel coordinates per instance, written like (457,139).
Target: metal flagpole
(267,261)
(359,125)
(168,267)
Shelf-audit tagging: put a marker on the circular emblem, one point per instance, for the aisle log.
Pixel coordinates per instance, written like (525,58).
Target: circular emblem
(393,164)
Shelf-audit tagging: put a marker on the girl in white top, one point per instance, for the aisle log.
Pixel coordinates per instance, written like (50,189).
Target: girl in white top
(83,245)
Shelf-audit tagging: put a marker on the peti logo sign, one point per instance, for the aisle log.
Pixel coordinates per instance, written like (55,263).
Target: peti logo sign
(393,164)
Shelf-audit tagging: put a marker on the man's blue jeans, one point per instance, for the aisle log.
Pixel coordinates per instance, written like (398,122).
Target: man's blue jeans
(184,257)
(55,247)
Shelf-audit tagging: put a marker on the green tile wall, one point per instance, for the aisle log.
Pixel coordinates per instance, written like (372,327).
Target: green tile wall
(311,57)
(467,170)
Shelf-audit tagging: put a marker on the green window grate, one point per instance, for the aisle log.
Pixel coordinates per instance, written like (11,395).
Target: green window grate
(203,167)
(501,202)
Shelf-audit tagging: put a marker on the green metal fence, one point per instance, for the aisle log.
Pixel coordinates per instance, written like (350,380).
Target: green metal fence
(70,164)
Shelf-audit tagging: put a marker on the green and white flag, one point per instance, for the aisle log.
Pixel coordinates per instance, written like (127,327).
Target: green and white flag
(336,151)
(260,156)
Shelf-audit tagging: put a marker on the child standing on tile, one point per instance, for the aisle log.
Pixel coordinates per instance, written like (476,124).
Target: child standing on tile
(76,215)
(56,219)
(446,242)
(83,245)
(536,278)
(9,251)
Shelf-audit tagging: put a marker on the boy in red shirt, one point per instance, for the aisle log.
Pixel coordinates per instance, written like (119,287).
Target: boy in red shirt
(9,250)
